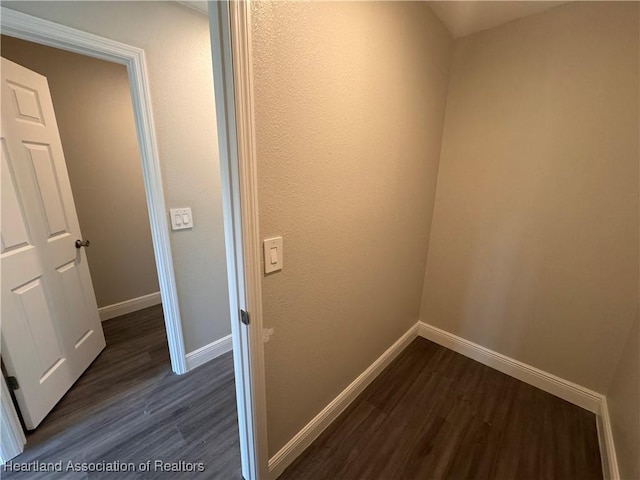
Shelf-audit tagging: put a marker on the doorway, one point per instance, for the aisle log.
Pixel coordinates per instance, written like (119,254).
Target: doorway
(134,58)
(92,103)
(93,112)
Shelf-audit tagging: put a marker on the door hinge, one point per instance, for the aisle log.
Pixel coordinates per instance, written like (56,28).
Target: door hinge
(12,383)
(244,317)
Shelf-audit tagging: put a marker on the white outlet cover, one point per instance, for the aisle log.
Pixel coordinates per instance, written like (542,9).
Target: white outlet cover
(181,218)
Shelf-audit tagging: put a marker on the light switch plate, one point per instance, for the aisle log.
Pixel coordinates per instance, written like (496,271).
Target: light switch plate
(273,254)
(181,218)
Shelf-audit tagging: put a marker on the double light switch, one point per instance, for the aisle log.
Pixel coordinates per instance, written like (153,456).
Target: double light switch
(272,254)
(181,218)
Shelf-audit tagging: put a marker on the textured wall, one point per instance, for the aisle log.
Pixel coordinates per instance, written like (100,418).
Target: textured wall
(92,101)
(349,106)
(623,398)
(534,242)
(178,51)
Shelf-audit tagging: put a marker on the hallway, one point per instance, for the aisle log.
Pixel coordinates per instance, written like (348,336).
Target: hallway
(130,407)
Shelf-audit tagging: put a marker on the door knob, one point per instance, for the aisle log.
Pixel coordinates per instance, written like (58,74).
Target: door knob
(80,243)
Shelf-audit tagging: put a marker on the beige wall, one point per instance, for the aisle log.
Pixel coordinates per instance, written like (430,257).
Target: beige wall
(534,242)
(92,102)
(349,106)
(178,53)
(623,398)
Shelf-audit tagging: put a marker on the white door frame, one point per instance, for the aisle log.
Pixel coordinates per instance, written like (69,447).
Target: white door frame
(12,438)
(231,52)
(37,30)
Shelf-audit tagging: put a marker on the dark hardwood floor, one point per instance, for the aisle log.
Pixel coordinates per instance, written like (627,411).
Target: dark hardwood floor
(436,414)
(129,407)
(431,414)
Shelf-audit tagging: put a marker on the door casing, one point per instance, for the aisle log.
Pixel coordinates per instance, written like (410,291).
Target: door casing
(230,26)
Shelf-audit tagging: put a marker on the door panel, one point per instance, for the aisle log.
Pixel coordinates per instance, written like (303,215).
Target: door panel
(69,276)
(50,197)
(27,103)
(50,327)
(14,231)
(34,306)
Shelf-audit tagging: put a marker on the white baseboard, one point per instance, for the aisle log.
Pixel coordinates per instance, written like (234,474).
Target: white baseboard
(208,352)
(559,387)
(315,427)
(569,391)
(128,306)
(607,448)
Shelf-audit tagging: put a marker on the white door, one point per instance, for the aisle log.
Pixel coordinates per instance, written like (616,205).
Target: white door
(50,326)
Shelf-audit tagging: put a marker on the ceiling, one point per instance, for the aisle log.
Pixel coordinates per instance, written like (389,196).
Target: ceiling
(466,17)
(462,17)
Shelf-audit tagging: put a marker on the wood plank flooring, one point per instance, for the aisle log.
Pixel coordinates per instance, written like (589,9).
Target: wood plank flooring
(435,414)
(130,407)
(432,414)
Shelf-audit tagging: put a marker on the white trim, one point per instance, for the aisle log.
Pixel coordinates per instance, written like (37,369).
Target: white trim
(241,41)
(129,306)
(569,391)
(27,27)
(207,353)
(231,53)
(607,447)
(12,439)
(315,427)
